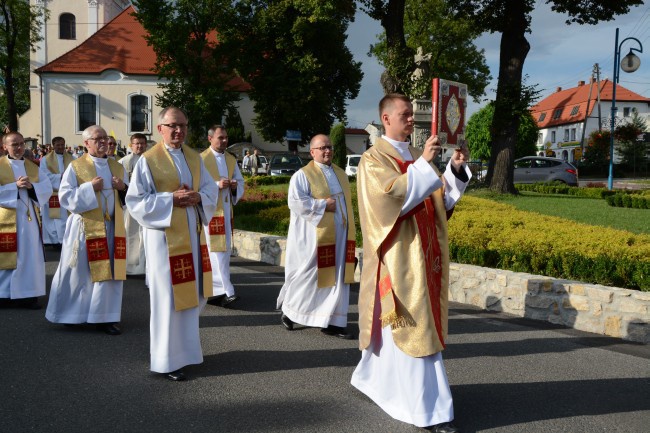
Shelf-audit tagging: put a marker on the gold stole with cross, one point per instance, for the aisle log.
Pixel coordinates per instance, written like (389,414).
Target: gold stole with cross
(217,226)
(8,216)
(95,229)
(326,229)
(52,162)
(181,259)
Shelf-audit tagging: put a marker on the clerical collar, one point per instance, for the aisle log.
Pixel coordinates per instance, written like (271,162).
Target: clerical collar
(323,166)
(99,160)
(402,145)
(217,153)
(173,149)
(14,159)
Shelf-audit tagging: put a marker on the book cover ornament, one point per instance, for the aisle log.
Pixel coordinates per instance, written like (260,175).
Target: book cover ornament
(449,101)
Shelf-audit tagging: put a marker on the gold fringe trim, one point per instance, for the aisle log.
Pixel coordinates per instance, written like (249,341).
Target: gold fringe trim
(396,321)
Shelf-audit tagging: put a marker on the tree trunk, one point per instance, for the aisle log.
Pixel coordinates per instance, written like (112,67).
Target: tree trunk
(12,113)
(505,123)
(393,23)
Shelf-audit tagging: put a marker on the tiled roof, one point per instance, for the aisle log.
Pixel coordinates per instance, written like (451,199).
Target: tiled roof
(356,131)
(120,45)
(570,105)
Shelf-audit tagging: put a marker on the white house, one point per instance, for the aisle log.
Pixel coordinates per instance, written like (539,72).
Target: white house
(564,116)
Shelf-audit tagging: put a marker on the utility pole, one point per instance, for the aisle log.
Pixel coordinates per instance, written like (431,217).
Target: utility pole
(597,71)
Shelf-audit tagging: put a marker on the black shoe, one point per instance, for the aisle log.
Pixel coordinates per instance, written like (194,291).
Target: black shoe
(216,301)
(227,301)
(109,328)
(31,304)
(287,323)
(337,331)
(176,376)
(445,427)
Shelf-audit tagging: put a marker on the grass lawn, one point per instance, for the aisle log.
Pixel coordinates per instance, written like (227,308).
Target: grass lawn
(584,210)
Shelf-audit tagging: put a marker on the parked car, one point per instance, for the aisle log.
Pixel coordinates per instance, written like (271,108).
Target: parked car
(532,169)
(352,162)
(284,164)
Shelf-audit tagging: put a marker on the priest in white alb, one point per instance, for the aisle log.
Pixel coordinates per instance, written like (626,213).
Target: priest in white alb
(170,195)
(404,204)
(54,217)
(225,172)
(87,284)
(320,254)
(135,258)
(22,190)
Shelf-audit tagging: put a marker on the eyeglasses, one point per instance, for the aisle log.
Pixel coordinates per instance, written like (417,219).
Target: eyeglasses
(323,148)
(100,138)
(22,144)
(175,125)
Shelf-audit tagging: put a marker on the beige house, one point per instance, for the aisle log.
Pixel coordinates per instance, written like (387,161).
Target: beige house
(94,67)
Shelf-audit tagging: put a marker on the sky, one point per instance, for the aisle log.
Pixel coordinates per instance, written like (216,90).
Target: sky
(560,55)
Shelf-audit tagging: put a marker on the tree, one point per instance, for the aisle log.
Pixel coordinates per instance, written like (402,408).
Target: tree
(479,138)
(337,138)
(234,126)
(20,26)
(192,58)
(511,18)
(293,54)
(597,150)
(633,152)
(448,42)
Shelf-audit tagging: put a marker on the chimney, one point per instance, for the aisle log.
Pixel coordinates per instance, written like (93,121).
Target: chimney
(559,89)
(581,83)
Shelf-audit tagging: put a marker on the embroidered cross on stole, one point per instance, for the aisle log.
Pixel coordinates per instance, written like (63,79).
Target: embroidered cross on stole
(8,222)
(95,229)
(326,230)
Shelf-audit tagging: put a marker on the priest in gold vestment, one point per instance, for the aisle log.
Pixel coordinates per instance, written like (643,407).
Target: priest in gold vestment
(22,263)
(54,216)
(404,204)
(87,284)
(225,172)
(319,262)
(170,194)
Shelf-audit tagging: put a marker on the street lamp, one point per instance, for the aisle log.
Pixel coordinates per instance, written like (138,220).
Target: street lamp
(630,63)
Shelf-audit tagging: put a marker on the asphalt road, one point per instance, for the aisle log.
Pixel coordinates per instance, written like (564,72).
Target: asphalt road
(507,374)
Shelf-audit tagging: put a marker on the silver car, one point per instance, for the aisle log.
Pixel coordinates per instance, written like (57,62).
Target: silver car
(533,169)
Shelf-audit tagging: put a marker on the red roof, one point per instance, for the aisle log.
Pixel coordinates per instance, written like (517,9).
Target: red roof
(570,105)
(120,45)
(356,131)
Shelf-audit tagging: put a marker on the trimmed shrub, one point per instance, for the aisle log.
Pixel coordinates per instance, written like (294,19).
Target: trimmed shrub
(485,233)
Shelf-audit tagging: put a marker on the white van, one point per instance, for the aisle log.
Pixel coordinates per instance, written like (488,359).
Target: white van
(352,162)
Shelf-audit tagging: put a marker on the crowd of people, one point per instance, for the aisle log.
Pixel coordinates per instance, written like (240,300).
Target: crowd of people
(168,212)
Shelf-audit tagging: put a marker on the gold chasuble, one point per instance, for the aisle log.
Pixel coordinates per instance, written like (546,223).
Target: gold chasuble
(406,259)
(8,222)
(53,165)
(326,229)
(181,261)
(95,229)
(217,227)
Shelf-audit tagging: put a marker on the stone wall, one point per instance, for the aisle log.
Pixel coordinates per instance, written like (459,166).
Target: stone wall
(612,311)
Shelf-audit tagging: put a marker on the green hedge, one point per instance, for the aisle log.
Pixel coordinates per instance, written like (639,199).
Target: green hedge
(485,233)
(254,181)
(636,201)
(561,188)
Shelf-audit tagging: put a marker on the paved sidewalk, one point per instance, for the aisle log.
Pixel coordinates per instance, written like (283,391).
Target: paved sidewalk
(507,374)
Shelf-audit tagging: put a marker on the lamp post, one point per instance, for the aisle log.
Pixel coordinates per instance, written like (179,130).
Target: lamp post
(630,63)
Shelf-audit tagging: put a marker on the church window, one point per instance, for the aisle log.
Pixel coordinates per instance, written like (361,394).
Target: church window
(86,110)
(67,26)
(139,113)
